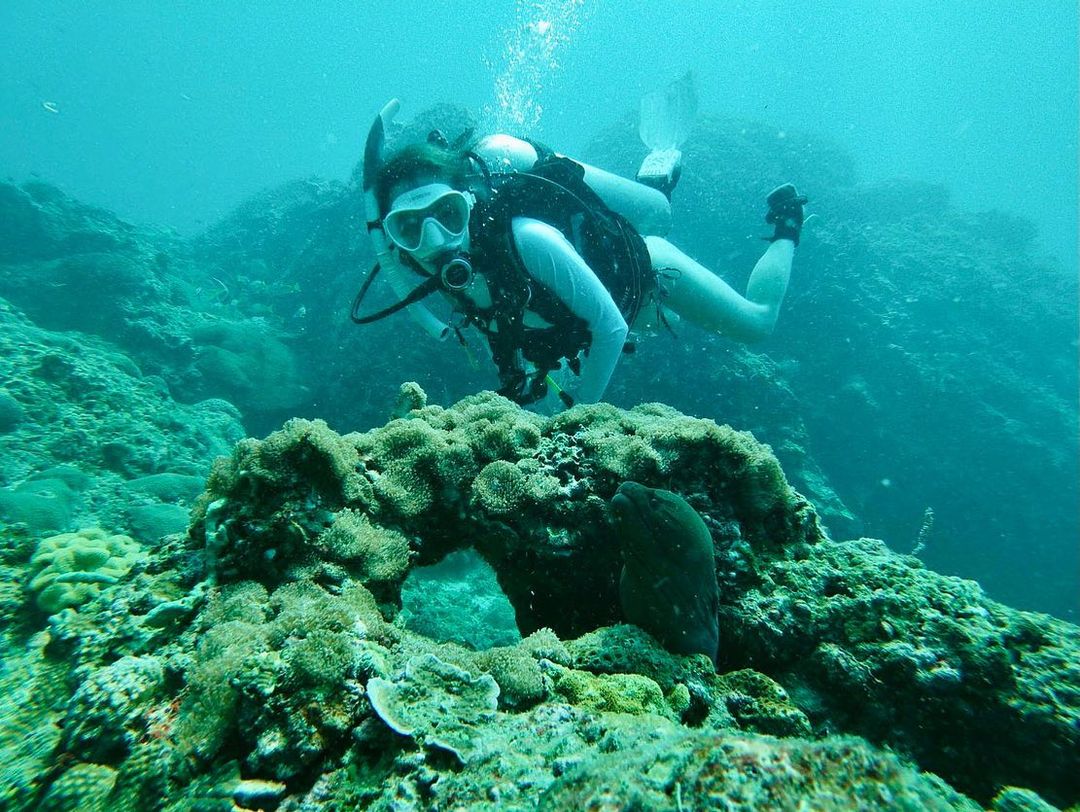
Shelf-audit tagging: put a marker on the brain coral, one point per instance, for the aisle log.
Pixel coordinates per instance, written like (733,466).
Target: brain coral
(69,569)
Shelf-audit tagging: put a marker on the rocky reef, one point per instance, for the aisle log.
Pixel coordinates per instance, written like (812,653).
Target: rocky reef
(261,660)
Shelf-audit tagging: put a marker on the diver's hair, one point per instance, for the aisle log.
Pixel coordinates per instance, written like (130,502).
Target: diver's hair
(421,161)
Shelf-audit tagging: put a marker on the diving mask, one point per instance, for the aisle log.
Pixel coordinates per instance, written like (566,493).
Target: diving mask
(429,220)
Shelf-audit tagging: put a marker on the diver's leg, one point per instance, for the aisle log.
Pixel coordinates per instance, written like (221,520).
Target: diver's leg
(645,207)
(697,294)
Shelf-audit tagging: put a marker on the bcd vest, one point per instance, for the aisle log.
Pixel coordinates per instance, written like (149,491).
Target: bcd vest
(553,191)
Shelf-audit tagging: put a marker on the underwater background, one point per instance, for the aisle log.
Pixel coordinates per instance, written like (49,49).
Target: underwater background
(192,619)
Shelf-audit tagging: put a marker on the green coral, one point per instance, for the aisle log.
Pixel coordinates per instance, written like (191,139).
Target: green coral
(518,674)
(372,554)
(759,704)
(82,788)
(608,693)
(264,660)
(70,569)
(545,644)
(503,488)
(414,465)
(309,452)
(410,397)
(229,656)
(320,660)
(494,427)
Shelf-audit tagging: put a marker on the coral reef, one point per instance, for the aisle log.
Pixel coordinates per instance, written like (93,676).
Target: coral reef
(257,661)
(438,704)
(556,561)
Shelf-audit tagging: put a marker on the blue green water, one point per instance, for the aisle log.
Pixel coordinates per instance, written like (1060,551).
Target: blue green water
(172,117)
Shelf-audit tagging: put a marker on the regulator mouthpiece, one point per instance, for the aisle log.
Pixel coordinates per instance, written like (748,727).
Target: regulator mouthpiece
(457,273)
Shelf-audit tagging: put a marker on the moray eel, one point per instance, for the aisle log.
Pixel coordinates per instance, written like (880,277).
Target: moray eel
(668,583)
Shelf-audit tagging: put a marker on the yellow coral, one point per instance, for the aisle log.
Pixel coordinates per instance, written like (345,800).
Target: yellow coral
(69,569)
(520,680)
(611,693)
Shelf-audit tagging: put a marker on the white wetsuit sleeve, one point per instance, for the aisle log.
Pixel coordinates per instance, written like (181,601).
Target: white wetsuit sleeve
(551,260)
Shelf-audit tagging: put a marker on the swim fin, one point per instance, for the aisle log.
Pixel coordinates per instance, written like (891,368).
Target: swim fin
(666,117)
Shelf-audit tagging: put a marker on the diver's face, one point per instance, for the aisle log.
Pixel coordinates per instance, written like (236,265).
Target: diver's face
(429,220)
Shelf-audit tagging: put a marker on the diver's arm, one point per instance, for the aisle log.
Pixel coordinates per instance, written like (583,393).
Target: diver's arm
(551,260)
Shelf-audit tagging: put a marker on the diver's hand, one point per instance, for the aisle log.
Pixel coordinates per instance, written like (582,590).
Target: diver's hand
(785,212)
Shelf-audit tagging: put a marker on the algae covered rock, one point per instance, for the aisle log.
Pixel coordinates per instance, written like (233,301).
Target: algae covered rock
(109,709)
(610,693)
(35,691)
(12,412)
(438,704)
(43,505)
(276,671)
(707,771)
(900,654)
(69,569)
(82,787)
(85,402)
(246,362)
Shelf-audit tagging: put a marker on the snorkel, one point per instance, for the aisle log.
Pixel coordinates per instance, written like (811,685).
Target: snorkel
(387,259)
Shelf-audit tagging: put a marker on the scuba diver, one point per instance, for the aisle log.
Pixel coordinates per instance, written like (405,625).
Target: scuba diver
(555,261)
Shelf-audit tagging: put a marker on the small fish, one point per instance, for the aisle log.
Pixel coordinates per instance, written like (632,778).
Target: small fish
(50,106)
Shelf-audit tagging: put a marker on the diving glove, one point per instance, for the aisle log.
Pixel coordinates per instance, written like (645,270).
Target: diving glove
(785,212)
